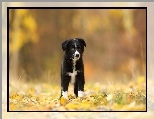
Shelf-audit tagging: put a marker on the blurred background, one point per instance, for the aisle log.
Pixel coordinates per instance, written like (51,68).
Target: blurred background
(115,38)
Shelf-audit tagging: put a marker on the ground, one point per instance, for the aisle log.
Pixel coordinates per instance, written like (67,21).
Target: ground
(98,97)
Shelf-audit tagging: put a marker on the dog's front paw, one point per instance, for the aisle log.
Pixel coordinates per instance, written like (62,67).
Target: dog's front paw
(80,94)
(65,94)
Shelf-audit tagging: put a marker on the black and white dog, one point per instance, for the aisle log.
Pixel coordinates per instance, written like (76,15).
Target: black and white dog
(72,69)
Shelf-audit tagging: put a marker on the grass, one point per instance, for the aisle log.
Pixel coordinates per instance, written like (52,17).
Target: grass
(24,96)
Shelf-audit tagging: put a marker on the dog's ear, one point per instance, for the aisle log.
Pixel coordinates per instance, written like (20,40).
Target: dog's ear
(82,41)
(64,44)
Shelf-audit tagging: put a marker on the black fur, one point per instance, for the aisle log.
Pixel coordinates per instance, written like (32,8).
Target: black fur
(70,47)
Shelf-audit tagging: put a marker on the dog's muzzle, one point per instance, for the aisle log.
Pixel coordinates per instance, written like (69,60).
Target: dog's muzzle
(76,55)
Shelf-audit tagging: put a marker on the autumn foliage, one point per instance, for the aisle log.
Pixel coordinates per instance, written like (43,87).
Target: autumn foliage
(98,97)
(114,58)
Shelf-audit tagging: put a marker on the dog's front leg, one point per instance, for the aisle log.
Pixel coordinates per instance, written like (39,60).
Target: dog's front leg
(81,82)
(76,88)
(64,86)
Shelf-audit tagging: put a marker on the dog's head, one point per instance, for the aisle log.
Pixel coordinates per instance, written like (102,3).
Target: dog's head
(74,48)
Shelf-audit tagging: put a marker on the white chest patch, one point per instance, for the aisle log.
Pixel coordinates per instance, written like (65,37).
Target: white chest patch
(74,73)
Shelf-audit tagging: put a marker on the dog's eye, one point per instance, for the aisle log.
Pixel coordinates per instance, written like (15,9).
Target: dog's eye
(78,47)
(72,48)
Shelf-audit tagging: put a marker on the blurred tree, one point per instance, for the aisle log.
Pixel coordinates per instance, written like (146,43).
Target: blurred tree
(22,29)
(55,26)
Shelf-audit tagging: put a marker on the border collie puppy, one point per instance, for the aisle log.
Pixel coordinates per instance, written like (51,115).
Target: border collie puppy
(72,69)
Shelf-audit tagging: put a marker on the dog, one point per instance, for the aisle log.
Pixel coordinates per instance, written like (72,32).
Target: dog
(72,69)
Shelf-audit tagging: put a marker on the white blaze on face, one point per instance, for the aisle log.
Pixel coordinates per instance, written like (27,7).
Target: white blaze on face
(75,45)
(65,94)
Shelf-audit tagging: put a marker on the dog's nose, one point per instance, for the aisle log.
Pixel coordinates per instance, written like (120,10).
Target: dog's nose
(77,55)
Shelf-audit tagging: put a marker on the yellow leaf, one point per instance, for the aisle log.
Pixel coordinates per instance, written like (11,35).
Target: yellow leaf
(31,91)
(116,106)
(72,106)
(141,79)
(63,101)
(85,106)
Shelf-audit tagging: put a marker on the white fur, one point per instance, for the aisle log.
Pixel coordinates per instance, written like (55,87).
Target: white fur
(76,52)
(65,94)
(74,73)
(75,45)
(80,93)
